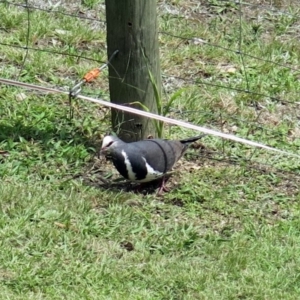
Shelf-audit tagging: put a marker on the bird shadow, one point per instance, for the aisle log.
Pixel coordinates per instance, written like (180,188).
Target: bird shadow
(149,188)
(98,175)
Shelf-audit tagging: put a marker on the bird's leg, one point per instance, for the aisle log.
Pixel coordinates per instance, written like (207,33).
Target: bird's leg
(163,187)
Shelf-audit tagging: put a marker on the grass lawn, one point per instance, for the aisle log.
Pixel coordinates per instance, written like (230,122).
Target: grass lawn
(229,228)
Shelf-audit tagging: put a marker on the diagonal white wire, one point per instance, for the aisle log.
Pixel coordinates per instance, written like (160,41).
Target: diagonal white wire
(150,115)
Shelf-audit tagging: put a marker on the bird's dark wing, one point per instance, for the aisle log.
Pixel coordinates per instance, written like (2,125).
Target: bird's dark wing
(161,155)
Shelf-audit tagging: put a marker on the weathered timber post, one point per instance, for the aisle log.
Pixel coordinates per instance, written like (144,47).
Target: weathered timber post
(132,29)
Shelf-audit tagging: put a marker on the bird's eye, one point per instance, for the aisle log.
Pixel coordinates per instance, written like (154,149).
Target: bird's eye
(109,144)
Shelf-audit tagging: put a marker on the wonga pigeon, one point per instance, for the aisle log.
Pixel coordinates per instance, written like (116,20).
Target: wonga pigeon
(145,160)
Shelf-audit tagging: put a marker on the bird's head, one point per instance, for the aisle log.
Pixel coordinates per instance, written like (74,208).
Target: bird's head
(109,144)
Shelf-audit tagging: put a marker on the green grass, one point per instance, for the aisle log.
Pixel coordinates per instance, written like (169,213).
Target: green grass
(72,244)
(229,228)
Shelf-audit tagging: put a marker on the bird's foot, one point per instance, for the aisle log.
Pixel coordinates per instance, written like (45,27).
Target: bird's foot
(163,187)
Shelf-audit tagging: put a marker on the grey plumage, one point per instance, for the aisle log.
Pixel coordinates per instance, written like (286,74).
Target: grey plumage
(144,160)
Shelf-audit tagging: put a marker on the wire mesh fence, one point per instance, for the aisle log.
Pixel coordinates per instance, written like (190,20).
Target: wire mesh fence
(228,65)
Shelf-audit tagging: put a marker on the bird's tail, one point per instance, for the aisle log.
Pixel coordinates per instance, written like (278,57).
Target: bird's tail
(192,139)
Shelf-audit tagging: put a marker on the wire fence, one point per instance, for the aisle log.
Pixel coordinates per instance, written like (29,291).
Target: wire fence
(239,58)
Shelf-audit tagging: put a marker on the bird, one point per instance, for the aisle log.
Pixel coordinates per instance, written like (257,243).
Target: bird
(145,160)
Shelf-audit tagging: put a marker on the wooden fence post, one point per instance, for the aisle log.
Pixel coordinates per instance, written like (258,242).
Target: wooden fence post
(132,29)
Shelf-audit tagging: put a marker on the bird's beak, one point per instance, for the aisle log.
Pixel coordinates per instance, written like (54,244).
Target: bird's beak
(103,151)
